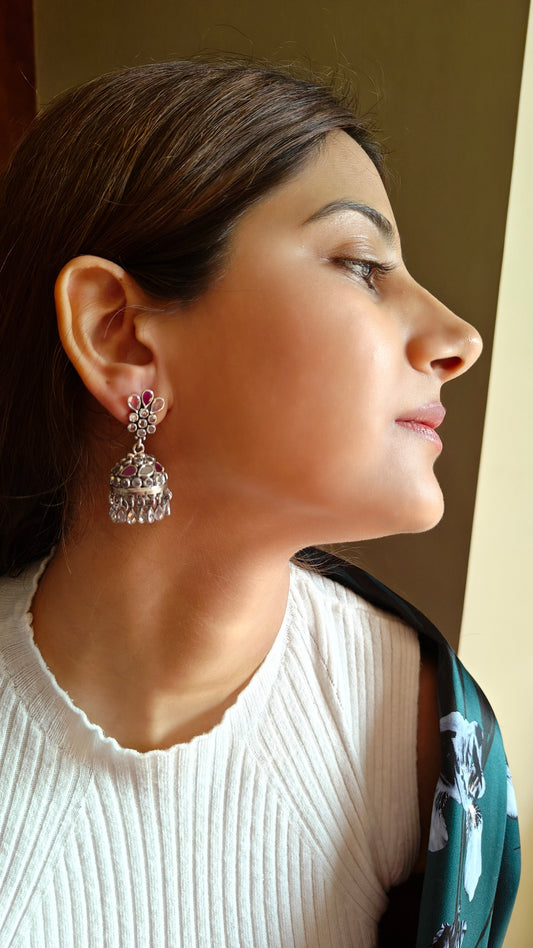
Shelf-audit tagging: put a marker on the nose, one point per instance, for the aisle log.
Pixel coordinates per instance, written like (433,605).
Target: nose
(441,343)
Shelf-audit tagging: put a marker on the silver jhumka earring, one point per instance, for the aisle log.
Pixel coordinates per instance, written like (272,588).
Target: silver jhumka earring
(138,491)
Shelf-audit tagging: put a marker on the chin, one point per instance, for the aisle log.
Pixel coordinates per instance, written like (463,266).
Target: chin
(426,517)
(416,514)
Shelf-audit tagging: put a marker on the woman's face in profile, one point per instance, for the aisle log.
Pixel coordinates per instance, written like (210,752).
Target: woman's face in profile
(309,376)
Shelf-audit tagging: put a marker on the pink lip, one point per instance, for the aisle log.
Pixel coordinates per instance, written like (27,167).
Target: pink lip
(424,420)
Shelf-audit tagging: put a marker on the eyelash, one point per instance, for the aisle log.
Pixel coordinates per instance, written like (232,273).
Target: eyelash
(373,271)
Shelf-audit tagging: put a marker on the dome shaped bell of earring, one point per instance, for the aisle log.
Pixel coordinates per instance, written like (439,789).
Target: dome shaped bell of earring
(138,491)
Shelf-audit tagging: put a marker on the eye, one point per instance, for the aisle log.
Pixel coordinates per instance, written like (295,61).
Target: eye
(370,271)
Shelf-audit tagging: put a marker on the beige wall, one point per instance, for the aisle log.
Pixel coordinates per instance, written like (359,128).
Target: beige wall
(446,78)
(497,634)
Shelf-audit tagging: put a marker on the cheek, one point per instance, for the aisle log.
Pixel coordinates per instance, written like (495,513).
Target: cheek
(292,398)
(287,377)
(306,384)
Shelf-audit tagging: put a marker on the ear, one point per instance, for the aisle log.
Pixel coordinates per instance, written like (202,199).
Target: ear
(99,310)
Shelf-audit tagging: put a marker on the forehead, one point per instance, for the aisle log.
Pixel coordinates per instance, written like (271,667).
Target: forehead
(338,172)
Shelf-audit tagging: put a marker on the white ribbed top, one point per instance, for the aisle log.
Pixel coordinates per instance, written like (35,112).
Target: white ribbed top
(283,827)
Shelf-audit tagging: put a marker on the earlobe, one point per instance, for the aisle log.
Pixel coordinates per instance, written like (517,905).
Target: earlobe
(98,305)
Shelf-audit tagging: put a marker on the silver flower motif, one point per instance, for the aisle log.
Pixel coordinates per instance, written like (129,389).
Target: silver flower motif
(143,413)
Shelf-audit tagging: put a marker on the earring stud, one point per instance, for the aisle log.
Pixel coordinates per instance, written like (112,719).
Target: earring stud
(138,491)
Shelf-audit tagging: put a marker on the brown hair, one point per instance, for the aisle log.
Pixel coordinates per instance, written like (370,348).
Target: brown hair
(149,167)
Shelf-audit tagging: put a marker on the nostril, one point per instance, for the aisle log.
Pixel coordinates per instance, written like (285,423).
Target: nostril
(450,363)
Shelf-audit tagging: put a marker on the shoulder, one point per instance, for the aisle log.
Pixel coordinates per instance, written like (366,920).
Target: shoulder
(365,659)
(371,659)
(335,609)
(16,592)
(356,640)
(15,597)
(385,660)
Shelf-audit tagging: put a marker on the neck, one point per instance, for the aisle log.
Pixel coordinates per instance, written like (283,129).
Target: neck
(153,630)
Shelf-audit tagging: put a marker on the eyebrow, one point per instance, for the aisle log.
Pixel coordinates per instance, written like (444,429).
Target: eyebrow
(338,207)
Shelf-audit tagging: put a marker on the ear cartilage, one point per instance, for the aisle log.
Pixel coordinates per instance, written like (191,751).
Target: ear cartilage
(138,491)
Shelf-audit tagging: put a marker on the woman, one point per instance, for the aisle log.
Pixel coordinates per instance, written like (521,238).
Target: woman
(207,742)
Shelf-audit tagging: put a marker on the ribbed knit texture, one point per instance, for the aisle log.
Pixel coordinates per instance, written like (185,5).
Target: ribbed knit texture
(283,827)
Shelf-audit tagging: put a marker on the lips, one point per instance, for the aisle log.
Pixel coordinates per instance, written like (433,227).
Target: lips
(431,415)
(424,420)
